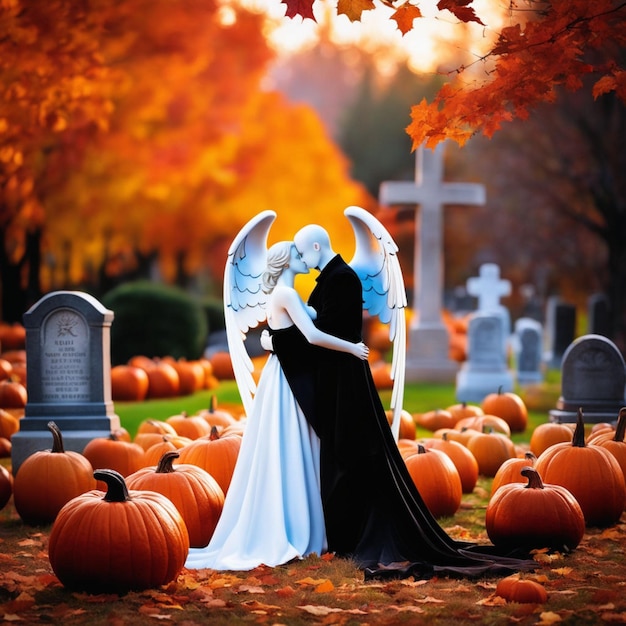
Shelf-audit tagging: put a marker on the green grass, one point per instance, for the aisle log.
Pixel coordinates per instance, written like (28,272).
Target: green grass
(418,398)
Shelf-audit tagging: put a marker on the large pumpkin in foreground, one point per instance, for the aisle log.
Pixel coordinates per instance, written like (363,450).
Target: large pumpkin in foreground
(126,540)
(194,492)
(590,473)
(534,515)
(48,479)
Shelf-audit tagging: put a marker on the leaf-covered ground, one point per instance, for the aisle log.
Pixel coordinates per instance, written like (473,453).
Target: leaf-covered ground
(587,586)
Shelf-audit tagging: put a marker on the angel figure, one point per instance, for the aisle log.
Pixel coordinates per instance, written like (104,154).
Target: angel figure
(273,511)
(370,508)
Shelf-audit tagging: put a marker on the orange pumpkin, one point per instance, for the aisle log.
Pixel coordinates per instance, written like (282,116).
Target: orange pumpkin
(464,461)
(534,515)
(112,453)
(615,444)
(194,492)
(190,426)
(407,425)
(222,366)
(151,431)
(9,425)
(167,443)
(6,486)
(510,471)
(216,416)
(381,375)
(462,435)
(5,448)
(510,407)
(437,480)
(463,409)
(215,454)
(163,381)
(436,419)
(129,383)
(590,473)
(491,451)
(13,394)
(522,590)
(191,375)
(117,543)
(548,434)
(482,422)
(6,368)
(12,336)
(48,479)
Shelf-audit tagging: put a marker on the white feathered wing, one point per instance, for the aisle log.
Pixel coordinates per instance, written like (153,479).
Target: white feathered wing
(244,299)
(376,263)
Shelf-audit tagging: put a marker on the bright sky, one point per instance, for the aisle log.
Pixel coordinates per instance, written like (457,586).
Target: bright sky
(436,41)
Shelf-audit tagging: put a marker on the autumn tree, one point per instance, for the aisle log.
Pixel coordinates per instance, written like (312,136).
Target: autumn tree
(56,93)
(174,146)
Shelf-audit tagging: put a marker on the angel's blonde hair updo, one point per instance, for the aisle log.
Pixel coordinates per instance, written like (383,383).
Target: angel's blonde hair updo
(278,257)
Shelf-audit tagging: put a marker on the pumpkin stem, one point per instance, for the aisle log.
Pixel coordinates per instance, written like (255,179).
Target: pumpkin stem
(113,437)
(213,406)
(165,463)
(534,480)
(57,438)
(620,429)
(117,491)
(529,456)
(500,390)
(214,433)
(578,440)
(421,449)
(444,436)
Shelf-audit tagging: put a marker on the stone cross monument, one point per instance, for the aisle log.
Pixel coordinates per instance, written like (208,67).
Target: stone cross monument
(428,345)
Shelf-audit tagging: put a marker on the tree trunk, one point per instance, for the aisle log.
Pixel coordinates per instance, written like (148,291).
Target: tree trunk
(12,293)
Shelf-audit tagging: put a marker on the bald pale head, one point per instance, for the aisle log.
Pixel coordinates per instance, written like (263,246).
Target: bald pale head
(313,244)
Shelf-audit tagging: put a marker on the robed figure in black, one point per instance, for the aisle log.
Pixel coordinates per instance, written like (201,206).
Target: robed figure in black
(372,509)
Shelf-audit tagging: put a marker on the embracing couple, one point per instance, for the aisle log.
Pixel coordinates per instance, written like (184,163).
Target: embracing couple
(319,469)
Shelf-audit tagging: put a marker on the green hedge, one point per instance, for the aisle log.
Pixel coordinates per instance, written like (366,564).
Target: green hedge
(155,320)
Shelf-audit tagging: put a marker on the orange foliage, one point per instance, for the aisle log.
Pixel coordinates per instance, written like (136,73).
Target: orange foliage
(143,127)
(544,45)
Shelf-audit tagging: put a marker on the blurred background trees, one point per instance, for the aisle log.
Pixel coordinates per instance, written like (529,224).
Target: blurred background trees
(136,138)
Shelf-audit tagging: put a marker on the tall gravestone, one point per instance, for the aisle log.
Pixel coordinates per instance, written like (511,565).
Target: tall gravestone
(428,349)
(593,378)
(69,374)
(598,315)
(485,370)
(560,330)
(527,350)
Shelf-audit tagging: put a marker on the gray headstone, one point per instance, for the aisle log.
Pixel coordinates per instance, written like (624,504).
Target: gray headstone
(488,288)
(485,370)
(561,330)
(593,378)
(598,315)
(69,374)
(528,351)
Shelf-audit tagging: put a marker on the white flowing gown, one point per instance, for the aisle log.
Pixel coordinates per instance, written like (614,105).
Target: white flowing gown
(273,509)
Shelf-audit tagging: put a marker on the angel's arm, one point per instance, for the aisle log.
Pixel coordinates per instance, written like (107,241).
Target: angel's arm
(290,300)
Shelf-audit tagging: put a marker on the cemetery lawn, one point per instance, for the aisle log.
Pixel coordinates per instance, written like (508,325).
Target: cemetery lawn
(584,587)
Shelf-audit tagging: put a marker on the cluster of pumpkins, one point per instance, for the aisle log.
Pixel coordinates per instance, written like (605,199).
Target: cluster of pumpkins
(543,495)
(125,512)
(166,377)
(13,392)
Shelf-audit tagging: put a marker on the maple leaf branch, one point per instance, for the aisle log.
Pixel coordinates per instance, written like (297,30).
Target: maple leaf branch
(573,25)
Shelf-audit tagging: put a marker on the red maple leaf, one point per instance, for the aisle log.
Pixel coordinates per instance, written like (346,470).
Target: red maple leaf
(304,8)
(404,16)
(460,9)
